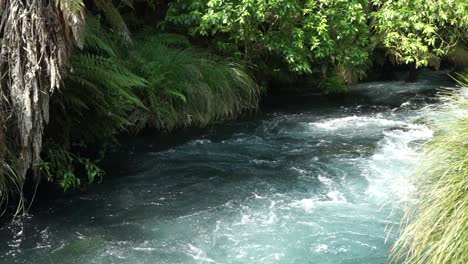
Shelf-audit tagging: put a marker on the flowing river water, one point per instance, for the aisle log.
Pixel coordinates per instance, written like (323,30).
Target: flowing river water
(324,182)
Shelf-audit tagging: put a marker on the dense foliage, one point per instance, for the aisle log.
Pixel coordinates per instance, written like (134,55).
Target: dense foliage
(331,42)
(305,34)
(421,31)
(334,38)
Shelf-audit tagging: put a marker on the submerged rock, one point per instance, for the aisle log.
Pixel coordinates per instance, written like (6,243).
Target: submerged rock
(423,121)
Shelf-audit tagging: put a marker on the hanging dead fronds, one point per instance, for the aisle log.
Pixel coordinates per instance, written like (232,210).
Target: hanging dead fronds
(35,43)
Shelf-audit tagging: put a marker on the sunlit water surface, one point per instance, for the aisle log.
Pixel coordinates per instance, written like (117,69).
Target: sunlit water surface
(322,183)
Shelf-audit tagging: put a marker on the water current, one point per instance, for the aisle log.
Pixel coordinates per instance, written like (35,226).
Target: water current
(322,182)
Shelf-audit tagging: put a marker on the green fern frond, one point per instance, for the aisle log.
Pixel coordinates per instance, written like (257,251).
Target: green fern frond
(107,72)
(172,40)
(96,39)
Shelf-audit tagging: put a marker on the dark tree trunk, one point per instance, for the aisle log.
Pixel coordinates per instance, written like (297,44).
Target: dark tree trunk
(413,73)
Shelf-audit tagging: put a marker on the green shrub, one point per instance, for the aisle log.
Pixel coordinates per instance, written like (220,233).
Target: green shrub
(333,85)
(62,166)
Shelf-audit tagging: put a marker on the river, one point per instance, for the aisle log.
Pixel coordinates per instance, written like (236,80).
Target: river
(322,182)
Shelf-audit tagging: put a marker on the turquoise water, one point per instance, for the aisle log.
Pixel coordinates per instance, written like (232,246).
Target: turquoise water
(319,183)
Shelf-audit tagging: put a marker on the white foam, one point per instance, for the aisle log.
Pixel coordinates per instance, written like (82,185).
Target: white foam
(260,161)
(320,248)
(301,171)
(328,182)
(336,196)
(354,122)
(389,169)
(200,142)
(306,204)
(143,249)
(199,254)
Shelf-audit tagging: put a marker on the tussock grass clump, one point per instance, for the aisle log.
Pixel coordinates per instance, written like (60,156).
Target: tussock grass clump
(435,227)
(187,87)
